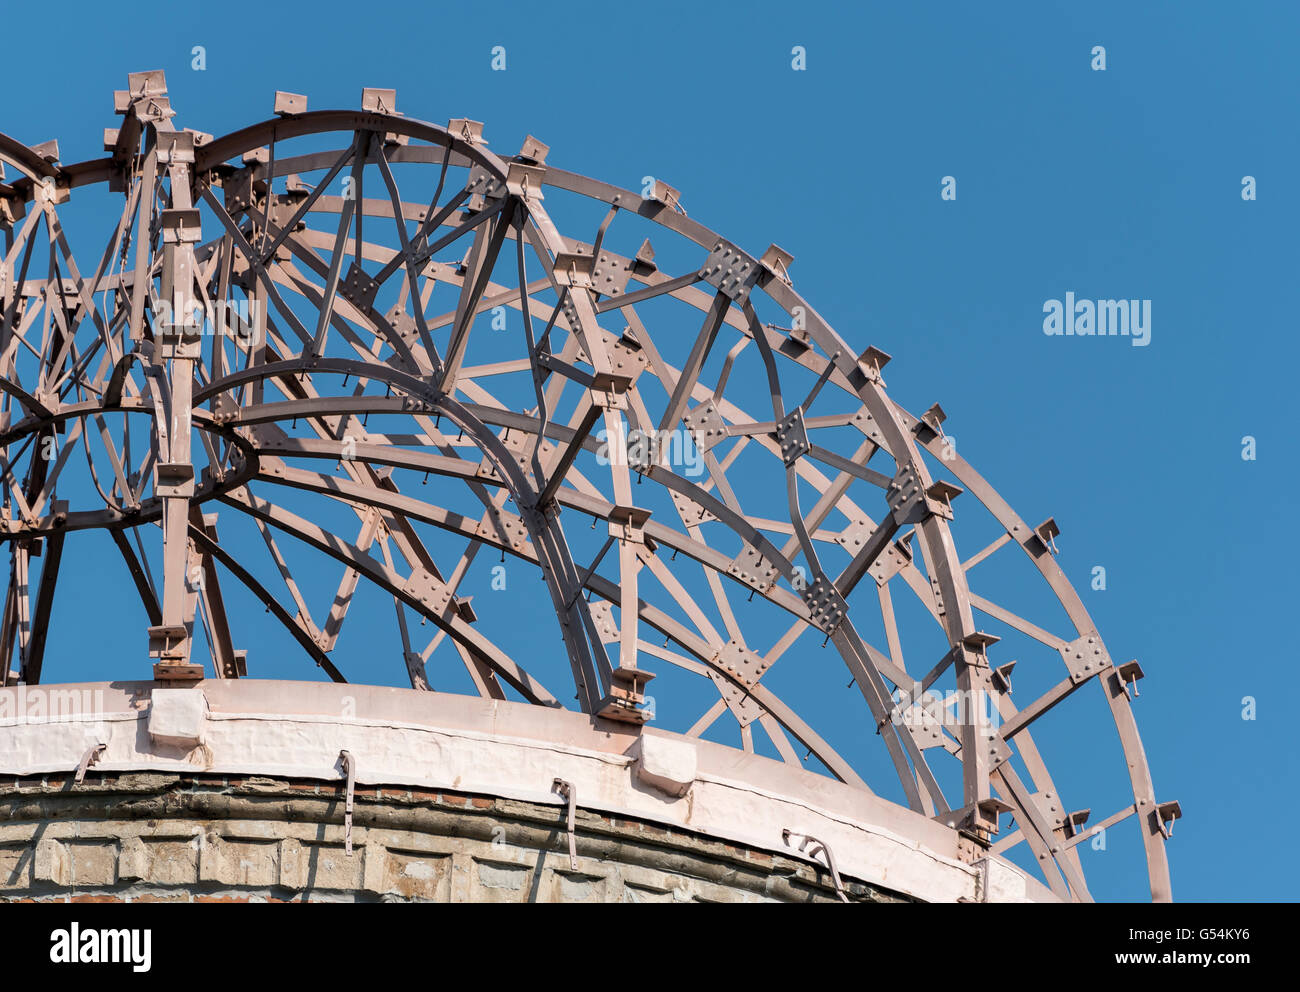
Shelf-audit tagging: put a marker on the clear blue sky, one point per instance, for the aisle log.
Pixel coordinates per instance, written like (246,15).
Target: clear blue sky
(1121,183)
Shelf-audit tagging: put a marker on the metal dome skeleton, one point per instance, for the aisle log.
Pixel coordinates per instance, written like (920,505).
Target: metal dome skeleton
(319,294)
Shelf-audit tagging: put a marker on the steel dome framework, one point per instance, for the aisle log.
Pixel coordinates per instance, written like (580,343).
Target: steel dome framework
(348,321)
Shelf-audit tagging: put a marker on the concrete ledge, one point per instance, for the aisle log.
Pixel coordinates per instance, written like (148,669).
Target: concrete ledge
(414,740)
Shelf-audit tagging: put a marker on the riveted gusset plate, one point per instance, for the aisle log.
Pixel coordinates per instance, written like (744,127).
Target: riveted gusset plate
(792,436)
(602,615)
(706,423)
(730,270)
(753,569)
(739,702)
(825,604)
(742,664)
(1085,657)
(691,512)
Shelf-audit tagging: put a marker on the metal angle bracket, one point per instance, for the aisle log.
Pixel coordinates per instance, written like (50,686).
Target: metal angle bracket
(939,496)
(730,271)
(288,104)
(468,131)
(1126,677)
(627,523)
(525,181)
(776,260)
(175,148)
(661,192)
(1073,822)
(1166,814)
(896,556)
(377,101)
(1043,540)
(792,436)
(932,421)
(573,269)
(1001,677)
(626,700)
(173,479)
(976,646)
(533,152)
(871,362)
(180,227)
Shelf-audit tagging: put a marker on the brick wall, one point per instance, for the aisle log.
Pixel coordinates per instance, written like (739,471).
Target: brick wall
(166,837)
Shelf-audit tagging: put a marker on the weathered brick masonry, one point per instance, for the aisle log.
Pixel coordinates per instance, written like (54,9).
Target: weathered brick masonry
(186,838)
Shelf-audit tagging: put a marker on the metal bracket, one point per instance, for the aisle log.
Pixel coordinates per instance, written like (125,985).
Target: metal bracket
(525,181)
(93,754)
(1166,814)
(777,261)
(626,700)
(661,192)
(350,770)
(1074,822)
(1128,675)
(871,362)
(566,790)
(1002,677)
(288,104)
(896,556)
(1045,535)
(977,646)
(932,420)
(818,847)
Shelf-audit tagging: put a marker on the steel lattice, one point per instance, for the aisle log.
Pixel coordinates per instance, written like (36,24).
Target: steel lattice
(740,455)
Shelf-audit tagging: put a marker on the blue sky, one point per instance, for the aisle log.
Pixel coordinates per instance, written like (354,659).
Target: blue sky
(1118,183)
